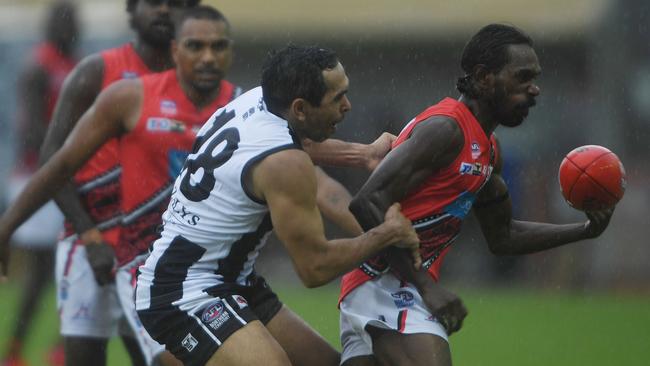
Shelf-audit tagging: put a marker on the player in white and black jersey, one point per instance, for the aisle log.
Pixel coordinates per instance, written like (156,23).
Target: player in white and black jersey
(198,293)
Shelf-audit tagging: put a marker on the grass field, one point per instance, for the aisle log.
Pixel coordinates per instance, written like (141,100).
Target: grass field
(505,327)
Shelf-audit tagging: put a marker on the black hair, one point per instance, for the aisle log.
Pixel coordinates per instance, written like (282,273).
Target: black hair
(130,4)
(295,72)
(488,47)
(200,12)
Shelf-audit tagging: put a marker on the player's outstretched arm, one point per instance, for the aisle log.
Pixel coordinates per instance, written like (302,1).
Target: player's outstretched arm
(433,144)
(333,152)
(104,120)
(79,91)
(291,198)
(506,236)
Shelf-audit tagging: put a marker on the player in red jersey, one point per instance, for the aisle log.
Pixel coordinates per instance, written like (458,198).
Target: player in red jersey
(444,163)
(99,205)
(38,90)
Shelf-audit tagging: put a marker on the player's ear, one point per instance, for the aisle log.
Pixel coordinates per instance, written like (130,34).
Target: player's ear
(297,109)
(483,79)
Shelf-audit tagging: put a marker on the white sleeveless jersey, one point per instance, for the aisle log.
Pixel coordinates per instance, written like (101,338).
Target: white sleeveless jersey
(214,228)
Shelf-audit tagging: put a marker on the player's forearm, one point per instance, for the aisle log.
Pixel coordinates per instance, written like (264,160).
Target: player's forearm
(342,255)
(401,263)
(70,204)
(526,237)
(332,152)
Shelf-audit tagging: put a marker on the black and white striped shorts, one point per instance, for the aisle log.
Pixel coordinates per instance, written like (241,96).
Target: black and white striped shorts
(195,334)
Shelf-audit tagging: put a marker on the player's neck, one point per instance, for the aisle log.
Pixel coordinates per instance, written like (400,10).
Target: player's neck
(480,110)
(200,98)
(156,58)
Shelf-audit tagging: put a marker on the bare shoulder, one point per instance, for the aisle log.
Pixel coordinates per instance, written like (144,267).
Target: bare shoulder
(440,128)
(289,171)
(122,93)
(89,73)
(437,140)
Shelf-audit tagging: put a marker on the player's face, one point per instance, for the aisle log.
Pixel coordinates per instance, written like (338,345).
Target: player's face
(152,20)
(515,87)
(203,53)
(321,120)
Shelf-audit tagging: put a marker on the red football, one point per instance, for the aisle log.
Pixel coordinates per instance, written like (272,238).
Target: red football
(592,178)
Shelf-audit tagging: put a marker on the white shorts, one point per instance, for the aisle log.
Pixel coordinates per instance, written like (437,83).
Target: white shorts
(42,229)
(89,310)
(384,302)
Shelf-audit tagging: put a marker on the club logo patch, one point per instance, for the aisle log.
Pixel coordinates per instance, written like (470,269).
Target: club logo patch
(403,299)
(215,315)
(168,107)
(476,150)
(240,301)
(189,342)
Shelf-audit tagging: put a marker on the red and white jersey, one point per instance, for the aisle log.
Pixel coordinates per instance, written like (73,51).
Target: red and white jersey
(153,153)
(98,181)
(56,66)
(438,207)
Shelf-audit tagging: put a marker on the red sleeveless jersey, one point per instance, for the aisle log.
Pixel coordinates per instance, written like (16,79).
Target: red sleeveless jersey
(438,207)
(98,181)
(153,153)
(56,66)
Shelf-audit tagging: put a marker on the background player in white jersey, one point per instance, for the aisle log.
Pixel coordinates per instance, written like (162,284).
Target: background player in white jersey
(198,293)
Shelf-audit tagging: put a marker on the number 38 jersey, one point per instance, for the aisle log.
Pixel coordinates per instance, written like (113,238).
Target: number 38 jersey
(214,227)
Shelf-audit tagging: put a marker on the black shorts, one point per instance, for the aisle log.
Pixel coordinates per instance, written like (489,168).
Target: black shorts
(193,337)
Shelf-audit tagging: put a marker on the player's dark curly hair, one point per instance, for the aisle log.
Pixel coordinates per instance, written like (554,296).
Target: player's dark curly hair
(201,12)
(295,72)
(130,4)
(488,47)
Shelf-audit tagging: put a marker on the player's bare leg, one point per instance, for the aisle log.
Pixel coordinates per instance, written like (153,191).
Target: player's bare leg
(133,349)
(250,345)
(393,348)
(303,345)
(80,351)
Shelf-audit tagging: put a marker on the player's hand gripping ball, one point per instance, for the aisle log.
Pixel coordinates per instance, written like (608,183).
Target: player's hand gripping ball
(592,178)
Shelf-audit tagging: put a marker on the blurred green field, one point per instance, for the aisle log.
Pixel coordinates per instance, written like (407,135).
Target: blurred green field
(505,327)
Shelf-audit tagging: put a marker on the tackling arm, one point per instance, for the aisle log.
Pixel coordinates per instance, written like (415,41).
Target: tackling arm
(333,152)
(506,236)
(291,198)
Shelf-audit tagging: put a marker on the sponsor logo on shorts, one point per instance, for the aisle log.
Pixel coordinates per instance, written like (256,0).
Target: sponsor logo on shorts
(189,342)
(240,301)
(83,312)
(403,299)
(215,315)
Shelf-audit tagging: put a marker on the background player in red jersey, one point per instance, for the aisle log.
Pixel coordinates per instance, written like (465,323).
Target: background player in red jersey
(38,91)
(444,163)
(148,52)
